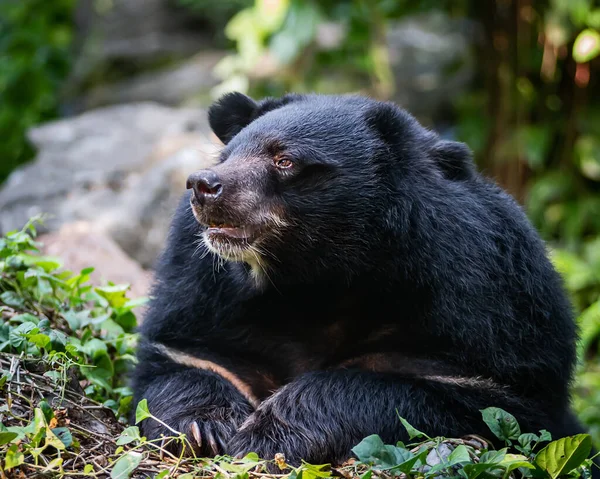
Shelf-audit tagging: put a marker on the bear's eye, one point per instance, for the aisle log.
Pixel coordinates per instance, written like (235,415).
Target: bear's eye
(282,162)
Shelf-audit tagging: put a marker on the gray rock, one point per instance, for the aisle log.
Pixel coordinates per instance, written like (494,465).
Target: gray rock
(135,29)
(116,40)
(121,168)
(433,61)
(173,86)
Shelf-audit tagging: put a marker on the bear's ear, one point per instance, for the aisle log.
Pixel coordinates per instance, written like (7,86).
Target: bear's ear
(390,122)
(234,111)
(455,159)
(230,113)
(397,127)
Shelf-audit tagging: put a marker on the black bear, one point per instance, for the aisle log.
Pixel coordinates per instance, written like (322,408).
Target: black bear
(341,265)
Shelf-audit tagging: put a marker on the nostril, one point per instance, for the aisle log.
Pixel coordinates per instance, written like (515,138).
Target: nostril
(206,188)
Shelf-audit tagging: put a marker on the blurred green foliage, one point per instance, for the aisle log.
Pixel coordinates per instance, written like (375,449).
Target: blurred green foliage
(35,36)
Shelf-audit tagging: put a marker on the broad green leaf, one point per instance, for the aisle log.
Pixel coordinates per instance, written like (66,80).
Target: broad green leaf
(125,465)
(586,46)
(372,450)
(458,456)
(141,411)
(502,424)
(115,295)
(64,435)
(162,474)
(562,456)
(93,346)
(25,318)
(58,340)
(53,440)
(47,263)
(134,303)
(412,431)
(12,299)
(493,457)
(515,461)
(527,438)
(54,464)
(13,457)
(126,320)
(6,437)
(315,471)
(545,436)
(369,449)
(130,434)
(18,336)
(41,340)
(88,468)
(47,410)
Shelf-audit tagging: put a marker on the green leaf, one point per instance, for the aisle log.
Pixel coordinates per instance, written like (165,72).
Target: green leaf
(55,463)
(545,436)
(13,457)
(41,340)
(493,457)
(58,340)
(47,263)
(6,437)
(12,299)
(115,295)
(562,456)
(54,441)
(515,461)
(64,435)
(586,46)
(527,438)
(132,433)
(369,449)
(458,456)
(475,470)
(125,465)
(412,431)
(141,411)
(527,442)
(94,347)
(18,336)
(24,318)
(88,468)
(502,424)
(47,410)
(135,303)
(162,474)
(372,450)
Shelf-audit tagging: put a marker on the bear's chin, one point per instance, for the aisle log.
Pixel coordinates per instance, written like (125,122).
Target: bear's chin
(232,244)
(238,250)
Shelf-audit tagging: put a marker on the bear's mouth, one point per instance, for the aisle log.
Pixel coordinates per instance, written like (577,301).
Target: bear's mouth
(228,231)
(231,241)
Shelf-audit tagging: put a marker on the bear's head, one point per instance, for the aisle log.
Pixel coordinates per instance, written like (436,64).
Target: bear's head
(311,184)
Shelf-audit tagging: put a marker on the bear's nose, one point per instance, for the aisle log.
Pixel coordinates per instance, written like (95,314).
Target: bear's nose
(206,185)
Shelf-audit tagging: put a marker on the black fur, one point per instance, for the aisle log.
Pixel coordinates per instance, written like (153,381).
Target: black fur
(399,267)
